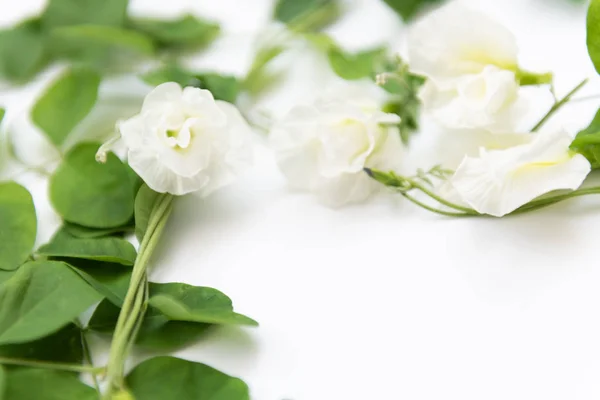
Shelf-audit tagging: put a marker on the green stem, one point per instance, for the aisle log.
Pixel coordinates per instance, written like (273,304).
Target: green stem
(548,201)
(50,365)
(87,355)
(558,105)
(433,209)
(441,200)
(136,299)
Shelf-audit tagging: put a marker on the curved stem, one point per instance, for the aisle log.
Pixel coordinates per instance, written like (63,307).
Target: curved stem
(548,201)
(435,210)
(51,365)
(135,302)
(441,200)
(557,105)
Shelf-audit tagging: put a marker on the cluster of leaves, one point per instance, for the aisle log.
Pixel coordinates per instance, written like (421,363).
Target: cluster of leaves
(587,142)
(96,33)
(88,264)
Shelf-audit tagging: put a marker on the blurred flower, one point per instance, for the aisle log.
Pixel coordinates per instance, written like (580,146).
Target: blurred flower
(471,66)
(184,141)
(324,147)
(500,181)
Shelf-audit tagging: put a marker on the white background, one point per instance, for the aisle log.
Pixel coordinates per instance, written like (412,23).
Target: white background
(382,300)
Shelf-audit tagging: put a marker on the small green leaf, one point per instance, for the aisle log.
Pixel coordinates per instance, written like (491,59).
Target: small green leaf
(46,384)
(77,12)
(259,78)
(223,87)
(408,9)
(182,302)
(163,378)
(64,346)
(110,280)
(355,66)
(187,31)
(106,36)
(108,249)
(87,193)
(2,113)
(170,73)
(156,333)
(65,103)
(17,64)
(84,232)
(593,33)
(39,299)
(18,225)
(307,15)
(144,204)
(587,142)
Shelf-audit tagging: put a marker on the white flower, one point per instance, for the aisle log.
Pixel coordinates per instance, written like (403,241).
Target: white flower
(500,181)
(324,147)
(184,141)
(470,62)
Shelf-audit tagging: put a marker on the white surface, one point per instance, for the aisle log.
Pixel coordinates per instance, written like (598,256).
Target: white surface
(386,301)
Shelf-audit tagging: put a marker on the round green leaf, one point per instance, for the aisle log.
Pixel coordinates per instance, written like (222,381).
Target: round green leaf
(18,224)
(163,378)
(39,299)
(87,193)
(593,33)
(109,249)
(46,384)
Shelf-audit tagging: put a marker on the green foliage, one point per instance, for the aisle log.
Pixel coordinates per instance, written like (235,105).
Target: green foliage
(408,9)
(22,51)
(593,33)
(182,302)
(188,31)
(65,103)
(358,65)
(18,225)
(307,15)
(45,384)
(404,86)
(163,378)
(109,279)
(144,204)
(95,195)
(64,346)
(84,232)
(108,249)
(60,13)
(2,383)
(587,142)
(223,87)
(106,37)
(39,299)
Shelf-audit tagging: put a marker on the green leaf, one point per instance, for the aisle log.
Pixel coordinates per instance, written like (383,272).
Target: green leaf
(587,142)
(109,249)
(170,73)
(156,333)
(223,87)
(87,193)
(163,378)
(65,103)
(187,31)
(2,383)
(593,33)
(307,15)
(355,66)
(408,9)
(84,232)
(2,113)
(64,346)
(39,299)
(259,78)
(77,12)
(110,280)
(16,63)
(182,302)
(18,225)
(46,384)
(144,204)
(106,36)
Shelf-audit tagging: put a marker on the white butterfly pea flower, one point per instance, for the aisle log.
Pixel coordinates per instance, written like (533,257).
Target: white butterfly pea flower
(470,62)
(500,181)
(184,141)
(324,147)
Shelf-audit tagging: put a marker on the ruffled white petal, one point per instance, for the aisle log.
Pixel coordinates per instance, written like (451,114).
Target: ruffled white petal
(454,40)
(498,182)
